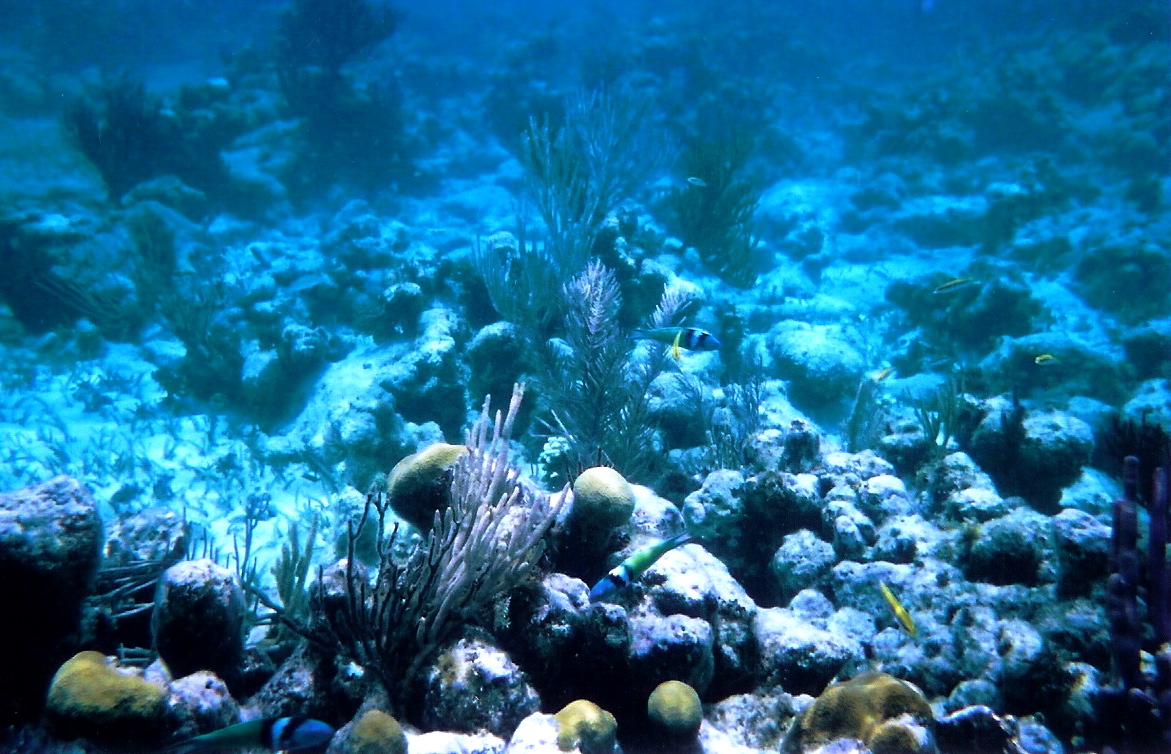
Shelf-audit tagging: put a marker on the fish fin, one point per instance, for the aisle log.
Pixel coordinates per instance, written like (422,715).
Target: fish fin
(183,747)
(675,346)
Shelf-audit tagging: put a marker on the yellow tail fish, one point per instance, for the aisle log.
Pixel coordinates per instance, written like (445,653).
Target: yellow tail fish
(900,612)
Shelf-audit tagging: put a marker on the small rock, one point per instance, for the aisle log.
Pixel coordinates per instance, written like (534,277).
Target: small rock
(1083,552)
(473,686)
(50,548)
(199,618)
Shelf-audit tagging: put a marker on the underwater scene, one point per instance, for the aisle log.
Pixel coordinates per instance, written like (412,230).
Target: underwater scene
(534,376)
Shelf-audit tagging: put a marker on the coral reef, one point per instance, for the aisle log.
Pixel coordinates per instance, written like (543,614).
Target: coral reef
(292,247)
(450,579)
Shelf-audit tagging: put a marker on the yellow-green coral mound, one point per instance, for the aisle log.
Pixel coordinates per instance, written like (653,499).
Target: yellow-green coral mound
(602,500)
(90,699)
(420,484)
(376,732)
(674,708)
(880,710)
(586,726)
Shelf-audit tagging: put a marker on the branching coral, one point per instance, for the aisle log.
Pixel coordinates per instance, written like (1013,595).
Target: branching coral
(937,412)
(523,279)
(354,132)
(291,573)
(598,383)
(127,135)
(576,170)
(327,34)
(122,132)
(714,209)
(478,550)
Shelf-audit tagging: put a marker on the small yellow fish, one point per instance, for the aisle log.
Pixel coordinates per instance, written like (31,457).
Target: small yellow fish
(1045,358)
(900,612)
(879,377)
(952,284)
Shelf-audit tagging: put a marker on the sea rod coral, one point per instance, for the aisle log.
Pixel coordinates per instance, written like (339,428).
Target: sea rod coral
(481,546)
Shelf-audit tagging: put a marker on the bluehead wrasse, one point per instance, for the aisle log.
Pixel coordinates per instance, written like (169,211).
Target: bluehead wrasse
(952,284)
(880,376)
(697,182)
(900,612)
(288,734)
(691,338)
(629,570)
(1045,358)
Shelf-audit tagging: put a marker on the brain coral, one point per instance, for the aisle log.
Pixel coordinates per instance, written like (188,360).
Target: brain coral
(675,709)
(376,732)
(602,500)
(91,699)
(586,726)
(867,708)
(418,485)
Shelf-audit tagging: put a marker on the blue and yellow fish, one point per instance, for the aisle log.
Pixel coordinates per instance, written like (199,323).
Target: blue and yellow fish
(689,338)
(629,570)
(294,735)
